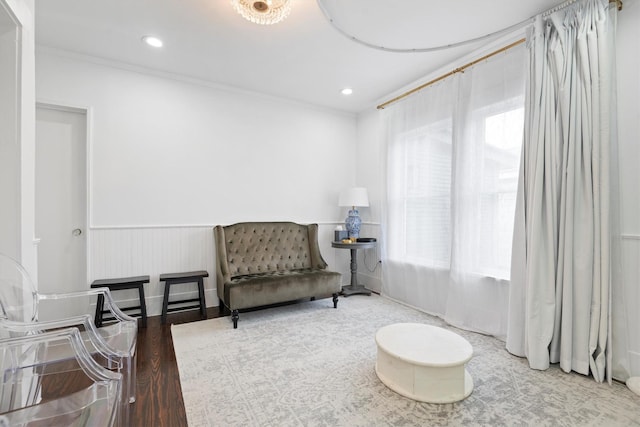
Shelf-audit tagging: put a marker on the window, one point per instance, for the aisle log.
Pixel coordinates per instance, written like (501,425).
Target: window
(423,188)
(502,147)
(453,164)
(426,202)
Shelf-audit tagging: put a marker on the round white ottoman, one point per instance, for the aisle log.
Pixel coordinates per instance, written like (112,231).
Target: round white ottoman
(424,362)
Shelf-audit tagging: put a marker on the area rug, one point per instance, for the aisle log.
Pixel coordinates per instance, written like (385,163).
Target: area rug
(311,365)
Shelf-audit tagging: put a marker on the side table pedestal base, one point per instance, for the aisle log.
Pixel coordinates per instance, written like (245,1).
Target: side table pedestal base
(355,290)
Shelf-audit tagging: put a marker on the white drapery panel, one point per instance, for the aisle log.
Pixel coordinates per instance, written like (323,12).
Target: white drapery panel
(561,263)
(452,167)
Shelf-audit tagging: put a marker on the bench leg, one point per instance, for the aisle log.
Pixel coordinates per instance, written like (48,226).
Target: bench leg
(165,301)
(234,317)
(99,308)
(203,304)
(143,305)
(335,300)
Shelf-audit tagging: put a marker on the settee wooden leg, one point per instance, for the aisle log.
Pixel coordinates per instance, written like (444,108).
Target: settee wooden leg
(335,300)
(234,317)
(222,309)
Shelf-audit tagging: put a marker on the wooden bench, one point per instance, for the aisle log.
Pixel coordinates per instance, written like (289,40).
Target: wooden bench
(179,305)
(118,285)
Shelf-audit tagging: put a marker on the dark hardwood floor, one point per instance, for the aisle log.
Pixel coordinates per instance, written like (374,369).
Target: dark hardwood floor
(159,396)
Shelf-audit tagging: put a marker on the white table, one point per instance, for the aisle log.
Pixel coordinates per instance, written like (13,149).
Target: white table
(424,362)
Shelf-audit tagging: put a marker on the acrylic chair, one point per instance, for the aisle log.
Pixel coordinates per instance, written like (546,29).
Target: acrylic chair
(112,345)
(31,370)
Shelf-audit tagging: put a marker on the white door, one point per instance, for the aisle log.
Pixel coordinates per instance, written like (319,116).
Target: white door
(61,199)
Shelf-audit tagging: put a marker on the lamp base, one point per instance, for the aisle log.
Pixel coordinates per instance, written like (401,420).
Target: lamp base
(353,223)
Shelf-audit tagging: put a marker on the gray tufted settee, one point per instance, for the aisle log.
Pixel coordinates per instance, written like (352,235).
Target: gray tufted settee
(262,263)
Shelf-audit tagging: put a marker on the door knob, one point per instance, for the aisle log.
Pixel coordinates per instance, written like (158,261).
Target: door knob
(77,232)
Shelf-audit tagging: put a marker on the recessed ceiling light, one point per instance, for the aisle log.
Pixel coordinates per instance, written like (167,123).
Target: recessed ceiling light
(346,91)
(152,41)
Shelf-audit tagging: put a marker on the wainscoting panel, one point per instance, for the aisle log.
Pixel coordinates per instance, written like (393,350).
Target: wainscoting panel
(124,252)
(631,275)
(135,251)
(369,265)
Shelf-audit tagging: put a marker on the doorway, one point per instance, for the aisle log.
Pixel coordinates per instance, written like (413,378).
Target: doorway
(61,198)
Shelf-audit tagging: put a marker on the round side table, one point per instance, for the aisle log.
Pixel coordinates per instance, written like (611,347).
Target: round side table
(354,288)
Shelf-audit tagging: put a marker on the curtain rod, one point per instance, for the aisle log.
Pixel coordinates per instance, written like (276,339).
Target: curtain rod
(472,63)
(449,74)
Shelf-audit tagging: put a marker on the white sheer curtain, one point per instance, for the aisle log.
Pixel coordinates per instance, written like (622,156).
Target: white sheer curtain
(452,167)
(561,272)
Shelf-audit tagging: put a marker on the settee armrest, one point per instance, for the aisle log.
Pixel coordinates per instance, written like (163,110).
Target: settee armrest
(222,266)
(314,248)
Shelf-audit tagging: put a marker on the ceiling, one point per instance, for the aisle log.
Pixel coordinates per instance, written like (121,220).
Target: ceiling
(303,58)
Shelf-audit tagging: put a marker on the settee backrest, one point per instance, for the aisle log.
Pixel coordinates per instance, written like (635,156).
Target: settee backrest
(266,247)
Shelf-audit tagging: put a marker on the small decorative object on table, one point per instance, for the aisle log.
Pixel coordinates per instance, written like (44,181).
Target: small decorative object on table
(354,197)
(340,234)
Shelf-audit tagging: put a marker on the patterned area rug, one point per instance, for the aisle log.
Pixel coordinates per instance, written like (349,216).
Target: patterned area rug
(310,365)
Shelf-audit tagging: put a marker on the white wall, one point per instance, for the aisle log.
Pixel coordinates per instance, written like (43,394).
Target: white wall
(371,147)
(18,141)
(170,152)
(27,124)
(628,62)
(170,158)
(370,174)
(9,140)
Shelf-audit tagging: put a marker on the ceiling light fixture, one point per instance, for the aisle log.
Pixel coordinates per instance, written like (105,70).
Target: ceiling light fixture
(152,41)
(346,91)
(263,12)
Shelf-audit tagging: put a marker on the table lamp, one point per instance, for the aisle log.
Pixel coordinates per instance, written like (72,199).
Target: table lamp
(353,197)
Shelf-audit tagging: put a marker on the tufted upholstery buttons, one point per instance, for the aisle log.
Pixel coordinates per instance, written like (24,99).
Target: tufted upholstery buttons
(257,248)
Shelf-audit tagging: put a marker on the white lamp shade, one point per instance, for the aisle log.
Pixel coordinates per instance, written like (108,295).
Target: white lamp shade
(356,196)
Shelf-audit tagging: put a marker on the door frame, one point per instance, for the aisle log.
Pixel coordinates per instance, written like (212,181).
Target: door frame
(88,113)
(17,244)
